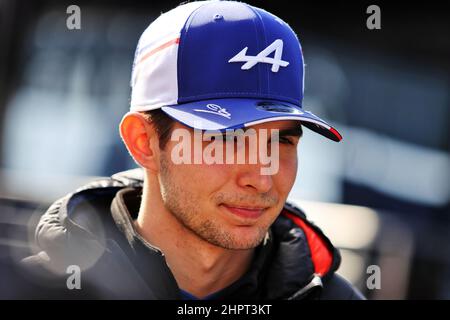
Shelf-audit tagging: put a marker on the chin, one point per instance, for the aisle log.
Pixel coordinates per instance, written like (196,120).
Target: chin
(245,237)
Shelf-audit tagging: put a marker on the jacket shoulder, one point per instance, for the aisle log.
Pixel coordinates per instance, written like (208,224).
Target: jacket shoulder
(338,288)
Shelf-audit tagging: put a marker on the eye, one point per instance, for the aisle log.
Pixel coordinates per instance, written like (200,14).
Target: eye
(285,140)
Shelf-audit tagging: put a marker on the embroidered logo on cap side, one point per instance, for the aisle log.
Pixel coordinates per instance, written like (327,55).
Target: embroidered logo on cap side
(216,109)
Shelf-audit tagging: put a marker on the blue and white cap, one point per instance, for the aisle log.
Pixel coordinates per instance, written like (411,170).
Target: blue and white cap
(216,65)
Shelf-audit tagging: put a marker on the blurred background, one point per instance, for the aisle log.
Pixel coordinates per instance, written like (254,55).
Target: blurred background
(382,194)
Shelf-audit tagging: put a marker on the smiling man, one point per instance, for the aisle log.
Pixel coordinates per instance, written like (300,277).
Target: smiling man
(195,228)
(208,216)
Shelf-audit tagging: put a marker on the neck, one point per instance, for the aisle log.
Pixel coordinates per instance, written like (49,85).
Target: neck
(198,266)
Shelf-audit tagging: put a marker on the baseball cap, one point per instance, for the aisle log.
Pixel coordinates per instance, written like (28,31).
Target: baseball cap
(217,65)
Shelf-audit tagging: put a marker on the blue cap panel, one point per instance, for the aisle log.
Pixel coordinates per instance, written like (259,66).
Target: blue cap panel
(288,81)
(217,32)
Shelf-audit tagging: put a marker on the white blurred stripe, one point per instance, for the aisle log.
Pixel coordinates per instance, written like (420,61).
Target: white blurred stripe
(404,170)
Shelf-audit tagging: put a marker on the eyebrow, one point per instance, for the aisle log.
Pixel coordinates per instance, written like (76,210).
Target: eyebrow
(293,132)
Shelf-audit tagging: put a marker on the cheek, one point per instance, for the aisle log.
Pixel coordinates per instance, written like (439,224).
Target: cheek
(203,178)
(285,178)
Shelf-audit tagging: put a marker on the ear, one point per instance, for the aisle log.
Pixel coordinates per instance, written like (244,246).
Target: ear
(141,140)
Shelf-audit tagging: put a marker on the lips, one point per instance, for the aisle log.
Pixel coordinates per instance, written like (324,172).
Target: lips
(245,212)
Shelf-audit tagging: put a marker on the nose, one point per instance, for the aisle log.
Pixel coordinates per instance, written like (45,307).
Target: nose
(250,178)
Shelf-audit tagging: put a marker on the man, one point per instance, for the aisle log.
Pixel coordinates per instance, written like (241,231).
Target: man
(215,85)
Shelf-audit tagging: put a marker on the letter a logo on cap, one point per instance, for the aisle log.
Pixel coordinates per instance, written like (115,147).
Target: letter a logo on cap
(251,61)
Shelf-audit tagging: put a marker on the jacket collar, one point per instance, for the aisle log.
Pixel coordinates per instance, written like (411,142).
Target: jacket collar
(289,264)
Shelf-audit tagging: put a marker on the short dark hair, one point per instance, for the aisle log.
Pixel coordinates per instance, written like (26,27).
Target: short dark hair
(163,125)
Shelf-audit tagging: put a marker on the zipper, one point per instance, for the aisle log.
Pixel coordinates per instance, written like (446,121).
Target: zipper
(315,282)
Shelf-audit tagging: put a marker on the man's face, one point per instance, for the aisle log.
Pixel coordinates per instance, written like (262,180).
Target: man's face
(230,205)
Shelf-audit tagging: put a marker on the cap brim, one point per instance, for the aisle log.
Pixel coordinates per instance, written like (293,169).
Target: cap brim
(222,114)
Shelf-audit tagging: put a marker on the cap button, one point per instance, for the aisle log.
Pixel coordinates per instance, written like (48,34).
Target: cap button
(217,17)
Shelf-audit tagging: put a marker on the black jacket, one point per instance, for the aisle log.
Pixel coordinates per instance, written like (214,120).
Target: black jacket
(92,229)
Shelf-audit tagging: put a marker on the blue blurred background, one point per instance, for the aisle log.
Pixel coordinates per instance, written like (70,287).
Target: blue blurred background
(63,93)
